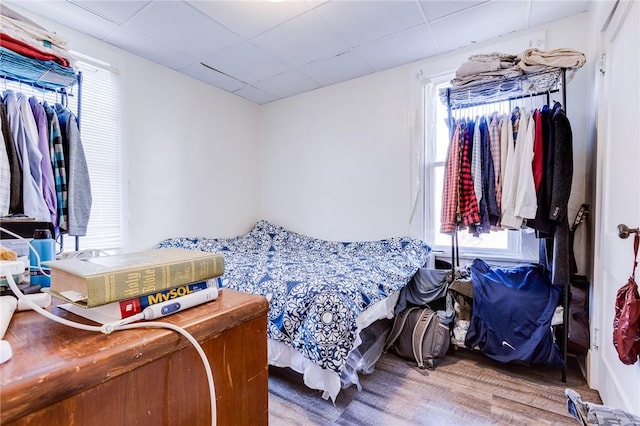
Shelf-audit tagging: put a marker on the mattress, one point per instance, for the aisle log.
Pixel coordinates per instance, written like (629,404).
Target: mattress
(321,293)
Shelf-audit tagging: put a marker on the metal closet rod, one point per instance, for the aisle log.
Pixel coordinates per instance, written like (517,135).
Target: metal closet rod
(511,98)
(498,98)
(45,88)
(36,84)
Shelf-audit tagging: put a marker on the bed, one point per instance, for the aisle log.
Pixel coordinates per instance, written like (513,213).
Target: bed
(322,294)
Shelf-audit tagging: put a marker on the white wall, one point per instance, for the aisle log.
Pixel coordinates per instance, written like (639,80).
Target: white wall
(190,152)
(191,157)
(335,160)
(339,162)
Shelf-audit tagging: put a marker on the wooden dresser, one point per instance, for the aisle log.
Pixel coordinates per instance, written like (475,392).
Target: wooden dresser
(151,376)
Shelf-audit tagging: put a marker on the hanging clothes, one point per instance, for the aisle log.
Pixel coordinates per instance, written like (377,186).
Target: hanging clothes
(509,171)
(495,124)
(541,223)
(40,186)
(48,186)
(476,160)
(468,204)
(510,217)
(25,134)
(56,154)
(489,210)
(526,204)
(15,179)
(538,147)
(562,164)
(451,177)
(5,175)
(78,183)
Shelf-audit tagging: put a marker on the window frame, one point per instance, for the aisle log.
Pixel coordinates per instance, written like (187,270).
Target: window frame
(521,244)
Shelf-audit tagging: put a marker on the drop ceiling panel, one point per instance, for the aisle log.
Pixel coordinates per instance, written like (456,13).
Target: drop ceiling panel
(437,9)
(472,25)
(287,84)
(115,11)
(249,18)
(72,16)
(361,22)
(302,40)
(256,95)
(217,79)
(246,62)
(541,12)
(145,46)
(179,24)
(337,68)
(399,49)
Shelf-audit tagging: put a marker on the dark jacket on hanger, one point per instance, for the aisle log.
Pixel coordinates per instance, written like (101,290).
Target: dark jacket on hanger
(562,164)
(555,249)
(15,197)
(562,179)
(541,222)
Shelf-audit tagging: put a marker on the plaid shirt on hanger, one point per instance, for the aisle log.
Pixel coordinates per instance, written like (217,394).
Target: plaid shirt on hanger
(469,211)
(450,187)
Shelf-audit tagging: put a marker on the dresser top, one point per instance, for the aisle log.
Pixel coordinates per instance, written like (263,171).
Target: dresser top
(52,361)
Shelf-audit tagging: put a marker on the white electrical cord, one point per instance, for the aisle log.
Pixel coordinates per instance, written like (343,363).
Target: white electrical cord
(33,250)
(118,325)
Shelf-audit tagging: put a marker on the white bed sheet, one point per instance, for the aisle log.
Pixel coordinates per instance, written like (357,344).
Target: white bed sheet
(330,382)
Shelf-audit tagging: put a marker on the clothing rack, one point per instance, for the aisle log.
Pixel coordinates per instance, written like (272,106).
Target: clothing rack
(501,90)
(46,80)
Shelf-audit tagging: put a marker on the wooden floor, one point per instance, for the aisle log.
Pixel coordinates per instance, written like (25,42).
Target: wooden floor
(467,388)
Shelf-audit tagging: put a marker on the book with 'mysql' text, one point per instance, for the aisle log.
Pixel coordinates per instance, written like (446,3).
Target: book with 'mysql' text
(116,311)
(100,280)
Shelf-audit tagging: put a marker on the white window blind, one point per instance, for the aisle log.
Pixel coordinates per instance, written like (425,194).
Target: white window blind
(100,134)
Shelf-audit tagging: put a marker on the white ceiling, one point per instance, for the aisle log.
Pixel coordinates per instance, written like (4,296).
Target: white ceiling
(266,50)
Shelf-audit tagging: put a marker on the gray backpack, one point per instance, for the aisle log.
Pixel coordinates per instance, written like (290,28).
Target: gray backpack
(419,334)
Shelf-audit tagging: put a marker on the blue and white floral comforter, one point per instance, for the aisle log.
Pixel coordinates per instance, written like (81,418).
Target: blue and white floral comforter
(315,288)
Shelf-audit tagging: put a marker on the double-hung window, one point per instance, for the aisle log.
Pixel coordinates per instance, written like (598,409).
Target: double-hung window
(503,244)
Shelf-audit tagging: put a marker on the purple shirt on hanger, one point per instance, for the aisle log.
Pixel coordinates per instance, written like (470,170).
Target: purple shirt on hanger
(48,183)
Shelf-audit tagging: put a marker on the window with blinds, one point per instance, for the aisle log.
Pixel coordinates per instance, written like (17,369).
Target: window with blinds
(100,133)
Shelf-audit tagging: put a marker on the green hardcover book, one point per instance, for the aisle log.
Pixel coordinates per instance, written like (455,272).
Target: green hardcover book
(101,280)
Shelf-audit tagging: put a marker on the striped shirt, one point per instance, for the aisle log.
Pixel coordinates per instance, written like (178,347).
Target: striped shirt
(58,162)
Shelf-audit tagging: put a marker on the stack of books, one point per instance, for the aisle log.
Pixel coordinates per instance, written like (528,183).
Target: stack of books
(115,287)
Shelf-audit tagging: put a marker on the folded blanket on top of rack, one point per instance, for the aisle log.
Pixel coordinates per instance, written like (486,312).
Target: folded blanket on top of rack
(497,67)
(47,74)
(536,60)
(28,39)
(486,64)
(30,51)
(15,24)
